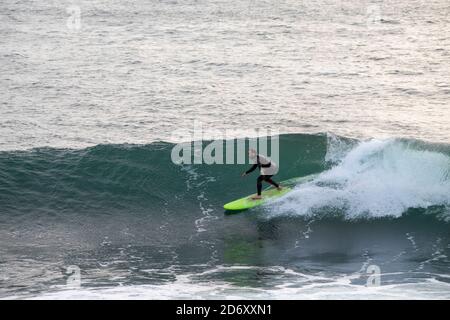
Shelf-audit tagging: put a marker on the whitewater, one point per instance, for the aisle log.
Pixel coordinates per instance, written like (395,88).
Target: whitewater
(376,178)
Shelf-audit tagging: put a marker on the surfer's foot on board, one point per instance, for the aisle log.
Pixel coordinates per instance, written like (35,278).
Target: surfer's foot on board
(255,197)
(280,188)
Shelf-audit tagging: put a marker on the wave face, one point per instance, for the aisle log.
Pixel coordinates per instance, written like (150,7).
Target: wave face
(136,178)
(126,215)
(375,178)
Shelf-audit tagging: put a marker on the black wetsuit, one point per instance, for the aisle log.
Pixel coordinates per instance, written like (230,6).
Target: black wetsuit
(262,178)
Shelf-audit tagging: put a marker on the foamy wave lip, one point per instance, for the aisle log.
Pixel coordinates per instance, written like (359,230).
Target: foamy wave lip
(376,178)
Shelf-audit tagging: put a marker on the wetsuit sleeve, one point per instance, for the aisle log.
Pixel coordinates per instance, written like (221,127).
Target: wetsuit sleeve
(265,165)
(252,168)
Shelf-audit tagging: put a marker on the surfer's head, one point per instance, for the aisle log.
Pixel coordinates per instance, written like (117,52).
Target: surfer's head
(252,153)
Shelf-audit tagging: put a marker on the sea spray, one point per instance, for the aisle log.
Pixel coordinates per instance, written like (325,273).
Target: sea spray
(376,178)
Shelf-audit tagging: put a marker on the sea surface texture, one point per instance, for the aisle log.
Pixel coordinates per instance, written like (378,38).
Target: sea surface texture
(95,94)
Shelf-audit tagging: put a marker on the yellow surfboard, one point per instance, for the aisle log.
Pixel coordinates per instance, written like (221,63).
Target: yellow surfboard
(247,203)
(268,194)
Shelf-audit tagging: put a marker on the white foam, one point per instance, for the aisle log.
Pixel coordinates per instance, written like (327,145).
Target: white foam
(293,285)
(376,178)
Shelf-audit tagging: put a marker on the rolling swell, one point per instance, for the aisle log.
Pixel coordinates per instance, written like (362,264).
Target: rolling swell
(373,178)
(105,179)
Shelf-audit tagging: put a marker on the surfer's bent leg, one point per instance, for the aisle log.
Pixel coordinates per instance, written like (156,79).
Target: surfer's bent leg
(269,180)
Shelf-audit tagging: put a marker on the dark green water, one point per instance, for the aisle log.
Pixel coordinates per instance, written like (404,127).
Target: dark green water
(137,225)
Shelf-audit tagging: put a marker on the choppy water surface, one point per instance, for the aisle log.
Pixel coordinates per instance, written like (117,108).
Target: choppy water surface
(89,107)
(136,71)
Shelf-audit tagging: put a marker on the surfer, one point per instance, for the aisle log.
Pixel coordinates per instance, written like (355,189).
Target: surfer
(267,169)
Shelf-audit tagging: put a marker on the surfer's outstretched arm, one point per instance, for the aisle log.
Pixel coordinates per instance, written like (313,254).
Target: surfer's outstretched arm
(251,169)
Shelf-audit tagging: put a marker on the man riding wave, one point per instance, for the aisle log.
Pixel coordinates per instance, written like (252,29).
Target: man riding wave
(267,169)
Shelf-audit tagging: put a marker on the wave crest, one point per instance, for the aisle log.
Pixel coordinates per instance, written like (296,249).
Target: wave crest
(375,178)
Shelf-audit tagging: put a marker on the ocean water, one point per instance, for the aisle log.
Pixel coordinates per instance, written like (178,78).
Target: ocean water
(95,94)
